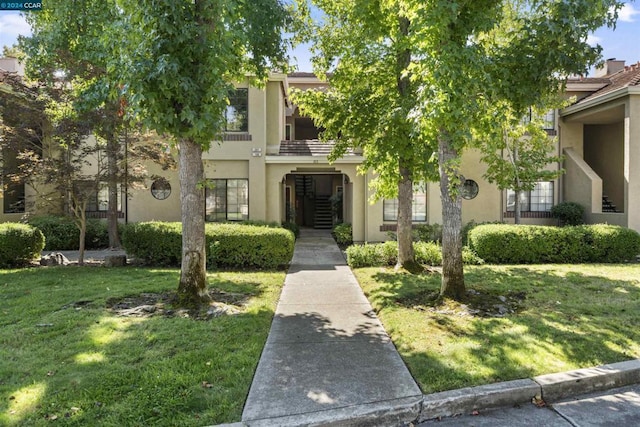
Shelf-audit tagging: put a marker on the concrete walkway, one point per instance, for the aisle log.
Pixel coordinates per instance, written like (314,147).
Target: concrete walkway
(328,360)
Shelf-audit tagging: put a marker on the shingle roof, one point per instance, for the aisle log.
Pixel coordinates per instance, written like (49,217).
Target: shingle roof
(629,76)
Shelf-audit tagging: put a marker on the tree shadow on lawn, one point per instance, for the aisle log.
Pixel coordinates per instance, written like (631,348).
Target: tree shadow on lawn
(88,366)
(547,321)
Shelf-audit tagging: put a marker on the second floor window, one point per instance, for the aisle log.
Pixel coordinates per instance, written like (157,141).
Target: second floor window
(237,112)
(540,199)
(390,206)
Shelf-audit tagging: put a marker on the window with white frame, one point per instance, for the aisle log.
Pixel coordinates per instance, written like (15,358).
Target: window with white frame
(419,212)
(227,200)
(540,199)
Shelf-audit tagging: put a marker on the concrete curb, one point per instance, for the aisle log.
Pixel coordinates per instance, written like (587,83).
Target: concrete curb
(565,384)
(550,388)
(467,400)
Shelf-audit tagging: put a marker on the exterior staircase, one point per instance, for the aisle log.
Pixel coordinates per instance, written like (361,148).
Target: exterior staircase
(323,217)
(607,206)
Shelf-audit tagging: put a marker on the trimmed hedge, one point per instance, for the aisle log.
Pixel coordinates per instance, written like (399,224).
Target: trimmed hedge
(386,254)
(530,244)
(227,245)
(61,233)
(19,244)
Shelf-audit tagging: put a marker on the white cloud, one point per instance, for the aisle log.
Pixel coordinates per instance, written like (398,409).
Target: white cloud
(13,25)
(627,13)
(593,40)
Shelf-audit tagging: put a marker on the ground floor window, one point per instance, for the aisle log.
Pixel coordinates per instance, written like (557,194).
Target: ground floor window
(540,199)
(97,195)
(227,200)
(419,214)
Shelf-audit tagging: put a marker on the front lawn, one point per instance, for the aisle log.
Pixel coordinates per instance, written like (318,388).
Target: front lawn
(518,322)
(100,346)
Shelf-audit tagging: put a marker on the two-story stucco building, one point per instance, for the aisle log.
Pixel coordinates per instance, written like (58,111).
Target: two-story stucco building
(272,167)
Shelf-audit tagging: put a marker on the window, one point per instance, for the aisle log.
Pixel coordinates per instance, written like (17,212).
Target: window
(237,112)
(390,206)
(540,199)
(160,189)
(469,189)
(99,202)
(548,119)
(227,200)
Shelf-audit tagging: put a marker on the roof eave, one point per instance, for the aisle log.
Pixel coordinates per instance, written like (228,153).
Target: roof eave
(609,96)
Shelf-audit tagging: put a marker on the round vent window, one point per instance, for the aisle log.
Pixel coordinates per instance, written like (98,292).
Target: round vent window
(160,189)
(469,189)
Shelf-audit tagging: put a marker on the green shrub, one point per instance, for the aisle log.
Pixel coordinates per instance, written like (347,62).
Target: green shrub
(428,233)
(227,245)
(61,233)
(19,244)
(428,253)
(238,246)
(529,244)
(154,243)
(386,254)
(343,234)
(612,243)
(568,213)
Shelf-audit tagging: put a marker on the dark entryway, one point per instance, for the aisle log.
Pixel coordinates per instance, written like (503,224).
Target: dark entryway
(315,200)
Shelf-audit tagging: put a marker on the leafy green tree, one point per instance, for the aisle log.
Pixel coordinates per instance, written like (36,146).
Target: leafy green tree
(472,54)
(183,57)
(452,60)
(79,41)
(519,159)
(370,100)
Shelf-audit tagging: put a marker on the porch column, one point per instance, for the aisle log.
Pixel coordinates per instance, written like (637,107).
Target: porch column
(358,189)
(632,162)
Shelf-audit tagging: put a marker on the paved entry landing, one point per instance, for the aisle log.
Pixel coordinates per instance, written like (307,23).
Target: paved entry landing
(328,360)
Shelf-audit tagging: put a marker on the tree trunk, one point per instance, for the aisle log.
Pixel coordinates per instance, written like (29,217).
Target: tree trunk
(452,272)
(112,178)
(405,207)
(517,207)
(405,184)
(193,280)
(80,211)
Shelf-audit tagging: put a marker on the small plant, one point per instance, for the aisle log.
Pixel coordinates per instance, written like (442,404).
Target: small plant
(343,234)
(568,213)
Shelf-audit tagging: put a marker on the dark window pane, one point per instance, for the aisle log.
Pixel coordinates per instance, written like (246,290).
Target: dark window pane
(237,112)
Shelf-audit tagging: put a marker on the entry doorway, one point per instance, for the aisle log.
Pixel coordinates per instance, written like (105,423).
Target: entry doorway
(315,200)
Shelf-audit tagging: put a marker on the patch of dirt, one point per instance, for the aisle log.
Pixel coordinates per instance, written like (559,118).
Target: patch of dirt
(165,304)
(476,304)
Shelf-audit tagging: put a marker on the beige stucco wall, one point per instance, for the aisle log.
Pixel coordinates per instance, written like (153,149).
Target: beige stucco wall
(632,161)
(142,206)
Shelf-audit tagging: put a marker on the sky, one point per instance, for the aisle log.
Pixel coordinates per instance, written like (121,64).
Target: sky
(621,43)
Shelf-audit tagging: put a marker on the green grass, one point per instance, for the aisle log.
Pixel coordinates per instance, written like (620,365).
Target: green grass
(65,356)
(564,317)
